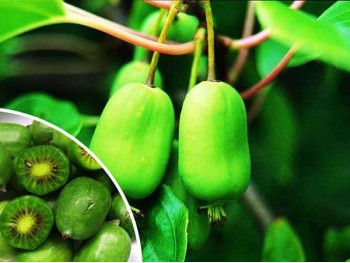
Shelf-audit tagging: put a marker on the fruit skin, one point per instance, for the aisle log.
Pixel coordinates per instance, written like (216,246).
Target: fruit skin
(134,71)
(8,253)
(42,135)
(54,249)
(133,138)
(336,244)
(26,204)
(198,228)
(281,243)
(39,155)
(110,244)
(6,168)
(14,137)
(81,208)
(214,160)
(119,212)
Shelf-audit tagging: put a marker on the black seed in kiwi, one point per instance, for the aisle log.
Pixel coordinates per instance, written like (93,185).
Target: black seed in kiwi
(26,222)
(42,169)
(81,158)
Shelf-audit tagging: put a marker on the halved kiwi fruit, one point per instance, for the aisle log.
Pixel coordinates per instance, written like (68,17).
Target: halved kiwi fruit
(82,158)
(26,222)
(42,169)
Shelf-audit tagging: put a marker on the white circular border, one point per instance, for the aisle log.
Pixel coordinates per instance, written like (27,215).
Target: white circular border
(26,119)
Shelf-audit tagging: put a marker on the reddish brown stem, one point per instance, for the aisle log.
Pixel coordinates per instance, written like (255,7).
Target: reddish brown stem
(256,39)
(246,94)
(160,4)
(237,67)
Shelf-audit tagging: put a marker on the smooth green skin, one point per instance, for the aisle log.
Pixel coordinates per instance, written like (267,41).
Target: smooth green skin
(103,178)
(14,137)
(54,249)
(133,138)
(81,158)
(6,168)
(8,253)
(119,212)
(42,134)
(198,228)
(134,71)
(28,203)
(45,152)
(336,244)
(282,244)
(214,160)
(81,208)
(110,244)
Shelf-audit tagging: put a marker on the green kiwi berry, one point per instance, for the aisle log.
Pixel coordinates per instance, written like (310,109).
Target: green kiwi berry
(110,244)
(54,249)
(8,252)
(42,169)
(14,137)
(81,158)
(26,222)
(119,212)
(6,168)
(43,135)
(81,208)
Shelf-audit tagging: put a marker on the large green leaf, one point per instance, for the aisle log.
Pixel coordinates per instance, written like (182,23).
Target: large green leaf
(163,234)
(62,113)
(318,38)
(18,16)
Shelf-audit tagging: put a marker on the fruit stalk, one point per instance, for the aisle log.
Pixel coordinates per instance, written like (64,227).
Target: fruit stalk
(174,10)
(200,39)
(211,40)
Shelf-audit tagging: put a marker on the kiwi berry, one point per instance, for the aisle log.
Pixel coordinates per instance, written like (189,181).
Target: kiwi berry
(8,252)
(26,222)
(81,158)
(14,137)
(45,135)
(42,169)
(6,168)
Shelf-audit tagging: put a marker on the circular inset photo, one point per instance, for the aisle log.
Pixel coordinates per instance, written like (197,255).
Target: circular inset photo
(58,202)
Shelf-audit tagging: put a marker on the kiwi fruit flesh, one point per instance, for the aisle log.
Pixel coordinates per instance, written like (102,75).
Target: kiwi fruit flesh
(26,222)
(81,158)
(8,253)
(42,169)
(54,249)
(6,168)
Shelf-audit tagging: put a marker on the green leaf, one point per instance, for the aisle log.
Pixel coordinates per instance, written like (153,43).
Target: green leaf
(320,39)
(62,113)
(18,16)
(336,244)
(163,235)
(281,243)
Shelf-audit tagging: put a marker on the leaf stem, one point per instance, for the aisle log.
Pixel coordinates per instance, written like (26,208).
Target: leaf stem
(254,40)
(160,4)
(90,120)
(237,67)
(211,40)
(174,10)
(246,94)
(78,16)
(257,205)
(200,41)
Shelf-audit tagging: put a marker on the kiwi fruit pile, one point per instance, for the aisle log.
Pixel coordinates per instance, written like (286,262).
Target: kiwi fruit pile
(56,202)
